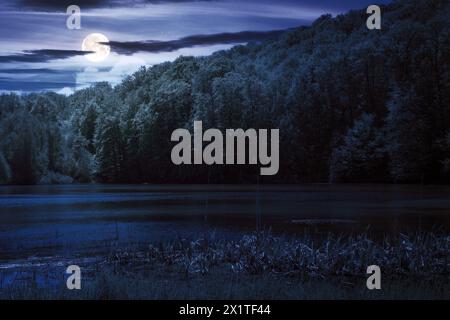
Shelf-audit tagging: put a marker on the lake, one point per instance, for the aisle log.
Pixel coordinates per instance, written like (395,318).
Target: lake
(73,220)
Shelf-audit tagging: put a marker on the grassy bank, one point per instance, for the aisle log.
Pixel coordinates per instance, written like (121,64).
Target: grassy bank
(258,266)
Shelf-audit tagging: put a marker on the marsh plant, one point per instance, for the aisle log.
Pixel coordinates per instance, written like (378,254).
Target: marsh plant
(419,254)
(259,266)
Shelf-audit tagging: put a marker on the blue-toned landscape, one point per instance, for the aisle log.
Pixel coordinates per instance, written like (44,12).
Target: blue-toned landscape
(361,155)
(45,228)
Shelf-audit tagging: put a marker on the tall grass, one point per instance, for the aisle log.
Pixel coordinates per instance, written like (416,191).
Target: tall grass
(258,266)
(418,254)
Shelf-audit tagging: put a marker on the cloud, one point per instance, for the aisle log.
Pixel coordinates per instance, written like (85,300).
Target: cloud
(125,65)
(66,91)
(36,79)
(30,86)
(33,71)
(130,47)
(63,4)
(41,55)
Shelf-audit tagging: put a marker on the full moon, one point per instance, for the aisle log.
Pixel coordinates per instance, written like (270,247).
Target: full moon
(92,43)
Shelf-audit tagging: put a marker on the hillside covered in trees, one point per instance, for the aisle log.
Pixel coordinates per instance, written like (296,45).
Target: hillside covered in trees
(352,105)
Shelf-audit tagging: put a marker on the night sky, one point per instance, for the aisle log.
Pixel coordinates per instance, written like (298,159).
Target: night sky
(38,52)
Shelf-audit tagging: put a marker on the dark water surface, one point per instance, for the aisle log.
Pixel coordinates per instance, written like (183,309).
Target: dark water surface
(66,220)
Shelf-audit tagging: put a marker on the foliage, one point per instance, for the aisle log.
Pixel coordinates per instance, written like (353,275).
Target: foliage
(351,104)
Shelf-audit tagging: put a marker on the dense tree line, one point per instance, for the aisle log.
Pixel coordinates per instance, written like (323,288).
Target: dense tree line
(352,105)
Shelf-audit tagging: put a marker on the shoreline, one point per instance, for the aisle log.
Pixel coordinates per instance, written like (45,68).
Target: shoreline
(413,266)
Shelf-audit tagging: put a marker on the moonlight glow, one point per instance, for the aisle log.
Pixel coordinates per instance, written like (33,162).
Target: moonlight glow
(93,43)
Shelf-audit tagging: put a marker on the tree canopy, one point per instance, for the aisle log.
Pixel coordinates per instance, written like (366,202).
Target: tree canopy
(351,104)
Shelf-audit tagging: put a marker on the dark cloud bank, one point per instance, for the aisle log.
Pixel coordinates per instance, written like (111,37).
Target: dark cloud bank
(44,55)
(41,55)
(63,4)
(191,41)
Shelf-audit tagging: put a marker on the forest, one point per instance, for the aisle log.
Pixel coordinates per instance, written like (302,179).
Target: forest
(351,105)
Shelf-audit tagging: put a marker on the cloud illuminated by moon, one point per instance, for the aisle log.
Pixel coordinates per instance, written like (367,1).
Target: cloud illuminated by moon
(93,43)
